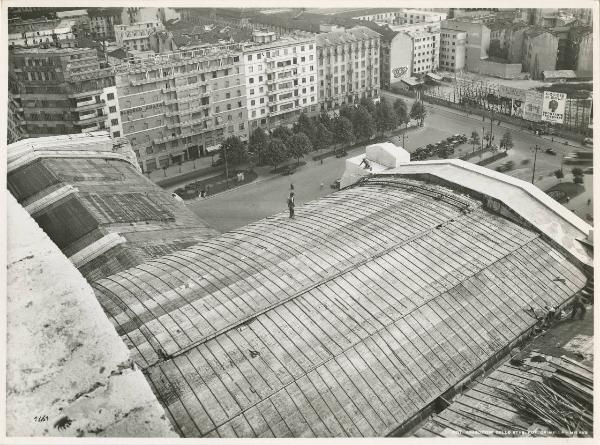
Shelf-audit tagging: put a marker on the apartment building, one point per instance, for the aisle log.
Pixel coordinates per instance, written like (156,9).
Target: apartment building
(136,37)
(412,16)
(181,105)
(103,21)
(348,66)
(281,78)
(39,31)
(477,42)
(61,91)
(540,52)
(452,50)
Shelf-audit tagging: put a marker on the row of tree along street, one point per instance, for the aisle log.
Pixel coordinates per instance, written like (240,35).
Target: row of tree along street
(352,124)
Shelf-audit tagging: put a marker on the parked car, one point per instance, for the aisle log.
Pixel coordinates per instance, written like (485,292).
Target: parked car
(550,151)
(588,141)
(218,162)
(589,171)
(288,170)
(341,154)
(508,165)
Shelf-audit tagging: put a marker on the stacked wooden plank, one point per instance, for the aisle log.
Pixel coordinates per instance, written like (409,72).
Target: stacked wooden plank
(345,321)
(545,396)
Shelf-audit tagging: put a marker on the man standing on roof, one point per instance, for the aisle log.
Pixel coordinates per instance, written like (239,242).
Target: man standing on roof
(291,204)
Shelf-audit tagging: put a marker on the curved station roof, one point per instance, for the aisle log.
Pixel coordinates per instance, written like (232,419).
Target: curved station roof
(345,321)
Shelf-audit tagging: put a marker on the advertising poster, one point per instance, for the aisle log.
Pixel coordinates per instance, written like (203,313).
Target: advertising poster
(532,110)
(553,107)
(517,108)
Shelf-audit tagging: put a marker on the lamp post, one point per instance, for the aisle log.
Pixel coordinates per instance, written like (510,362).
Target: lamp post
(534,160)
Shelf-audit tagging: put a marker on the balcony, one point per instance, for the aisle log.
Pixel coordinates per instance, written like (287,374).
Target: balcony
(88,106)
(88,121)
(75,94)
(170,126)
(181,100)
(90,129)
(179,88)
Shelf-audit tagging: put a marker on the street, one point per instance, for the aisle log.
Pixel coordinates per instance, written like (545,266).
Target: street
(255,201)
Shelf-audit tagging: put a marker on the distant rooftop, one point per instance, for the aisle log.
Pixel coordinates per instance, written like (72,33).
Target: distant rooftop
(356,34)
(559,74)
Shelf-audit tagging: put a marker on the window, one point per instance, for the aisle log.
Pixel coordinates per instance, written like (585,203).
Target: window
(116,134)
(251,80)
(227,95)
(249,57)
(110,96)
(114,121)
(251,90)
(217,109)
(240,104)
(228,107)
(112,110)
(252,102)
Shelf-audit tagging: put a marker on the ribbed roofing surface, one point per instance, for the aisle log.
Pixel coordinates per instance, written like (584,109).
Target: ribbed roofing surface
(109,196)
(344,321)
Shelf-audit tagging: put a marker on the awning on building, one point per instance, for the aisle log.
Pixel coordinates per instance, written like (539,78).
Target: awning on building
(213,148)
(559,74)
(434,77)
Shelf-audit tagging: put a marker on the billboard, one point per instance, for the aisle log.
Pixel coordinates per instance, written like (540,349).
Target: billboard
(532,108)
(511,92)
(517,108)
(553,107)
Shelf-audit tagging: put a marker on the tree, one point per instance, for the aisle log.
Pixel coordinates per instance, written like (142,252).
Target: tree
(305,125)
(323,137)
(368,103)
(363,124)
(418,112)
(234,149)
(344,133)
(348,112)
(506,142)
(577,172)
(282,132)
(276,152)
(385,117)
(578,179)
(326,120)
(258,143)
(474,140)
(559,174)
(299,145)
(401,111)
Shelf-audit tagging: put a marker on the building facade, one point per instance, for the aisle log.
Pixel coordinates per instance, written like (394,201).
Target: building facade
(61,91)
(39,31)
(281,78)
(412,16)
(136,37)
(477,40)
(540,52)
(348,66)
(452,50)
(179,106)
(103,21)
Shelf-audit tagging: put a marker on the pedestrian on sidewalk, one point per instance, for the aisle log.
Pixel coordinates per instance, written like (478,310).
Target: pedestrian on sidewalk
(292,187)
(291,204)
(589,201)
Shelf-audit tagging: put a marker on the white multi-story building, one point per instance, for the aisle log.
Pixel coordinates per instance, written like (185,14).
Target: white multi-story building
(348,66)
(411,16)
(452,50)
(35,32)
(137,36)
(281,78)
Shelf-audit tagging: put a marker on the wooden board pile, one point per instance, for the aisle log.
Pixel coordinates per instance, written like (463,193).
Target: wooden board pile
(562,402)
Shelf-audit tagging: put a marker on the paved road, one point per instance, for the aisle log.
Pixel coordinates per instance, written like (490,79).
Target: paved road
(255,201)
(230,210)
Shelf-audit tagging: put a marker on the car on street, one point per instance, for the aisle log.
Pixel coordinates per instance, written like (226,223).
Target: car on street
(218,162)
(288,170)
(508,165)
(588,141)
(589,171)
(550,151)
